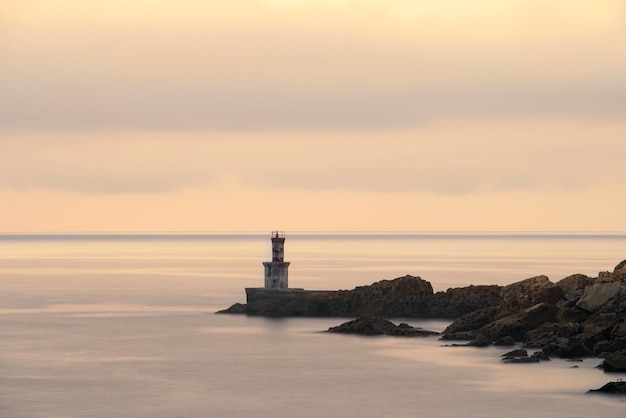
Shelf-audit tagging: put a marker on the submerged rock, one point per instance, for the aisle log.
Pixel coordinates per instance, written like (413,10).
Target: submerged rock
(378,326)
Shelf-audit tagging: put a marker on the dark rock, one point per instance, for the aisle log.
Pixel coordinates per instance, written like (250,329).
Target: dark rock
(379,326)
(520,352)
(504,341)
(576,347)
(456,302)
(518,324)
(600,325)
(473,321)
(237,308)
(479,342)
(571,314)
(605,297)
(466,335)
(615,362)
(540,355)
(551,333)
(616,341)
(573,286)
(529,292)
(521,356)
(613,388)
(520,360)
(404,297)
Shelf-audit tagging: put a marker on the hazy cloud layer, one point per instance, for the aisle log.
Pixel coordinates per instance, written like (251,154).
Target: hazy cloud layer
(460,158)
(189,65)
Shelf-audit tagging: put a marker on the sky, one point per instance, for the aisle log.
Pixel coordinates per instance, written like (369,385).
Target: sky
(312,115)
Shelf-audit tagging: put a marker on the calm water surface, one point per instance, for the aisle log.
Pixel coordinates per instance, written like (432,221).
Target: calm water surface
(123,325)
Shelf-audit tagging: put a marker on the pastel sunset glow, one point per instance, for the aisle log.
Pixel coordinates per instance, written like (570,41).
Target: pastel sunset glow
(316,115)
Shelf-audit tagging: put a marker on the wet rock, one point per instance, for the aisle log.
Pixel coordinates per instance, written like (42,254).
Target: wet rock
(521,356)
(473,321)
(615,362)
(518,324)
(613,388)
(540,355)
(479,342)
(237,308)
(551,333)
(379,326)
(504,341)
(520,352)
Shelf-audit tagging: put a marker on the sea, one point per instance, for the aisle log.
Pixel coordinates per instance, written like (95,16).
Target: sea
(124,325)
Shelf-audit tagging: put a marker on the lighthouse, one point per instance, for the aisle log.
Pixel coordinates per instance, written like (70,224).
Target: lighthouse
(276,271)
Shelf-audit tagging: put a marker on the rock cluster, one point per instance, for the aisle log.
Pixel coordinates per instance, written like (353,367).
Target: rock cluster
(404,297)
(575,317)
(373,325)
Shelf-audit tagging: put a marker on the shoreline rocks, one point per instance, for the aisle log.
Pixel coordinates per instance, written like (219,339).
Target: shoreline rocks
(578,316)
(575,317)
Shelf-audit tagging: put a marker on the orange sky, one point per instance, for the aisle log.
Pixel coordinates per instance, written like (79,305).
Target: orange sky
(312,115)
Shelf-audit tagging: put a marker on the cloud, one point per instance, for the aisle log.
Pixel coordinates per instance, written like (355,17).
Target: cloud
(307,65)
(467,156)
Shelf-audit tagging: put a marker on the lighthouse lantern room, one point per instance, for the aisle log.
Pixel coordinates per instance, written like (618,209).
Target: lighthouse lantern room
(276,271)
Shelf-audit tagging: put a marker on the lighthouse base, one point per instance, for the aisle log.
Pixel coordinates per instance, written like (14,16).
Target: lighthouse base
(276,275)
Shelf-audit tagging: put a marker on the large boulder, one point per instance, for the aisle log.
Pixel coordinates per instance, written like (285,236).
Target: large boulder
(573,286)
(529,292)
(551,333)
(605,297)
(518,324)
(615,362)
(615,342)
(566,315)
(471,322)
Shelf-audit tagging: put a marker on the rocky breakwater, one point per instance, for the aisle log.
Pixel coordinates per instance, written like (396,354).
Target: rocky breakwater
(404,297)
(578,316)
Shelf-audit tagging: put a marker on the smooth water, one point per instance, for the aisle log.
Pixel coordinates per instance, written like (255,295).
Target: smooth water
(123,325)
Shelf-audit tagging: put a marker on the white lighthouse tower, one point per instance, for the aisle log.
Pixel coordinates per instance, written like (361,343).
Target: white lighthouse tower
(276,271)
